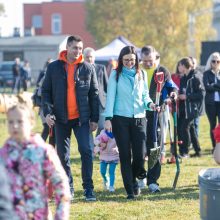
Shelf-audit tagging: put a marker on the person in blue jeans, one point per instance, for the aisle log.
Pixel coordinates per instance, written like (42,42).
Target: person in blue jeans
(106,146)
(70,102)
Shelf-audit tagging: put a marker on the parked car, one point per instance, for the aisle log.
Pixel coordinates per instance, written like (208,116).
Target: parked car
(6,74)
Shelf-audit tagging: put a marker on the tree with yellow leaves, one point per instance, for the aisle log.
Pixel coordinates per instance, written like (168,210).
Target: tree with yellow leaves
(161,23)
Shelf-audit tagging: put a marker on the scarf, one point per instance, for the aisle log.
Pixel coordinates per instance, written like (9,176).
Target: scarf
(129,74)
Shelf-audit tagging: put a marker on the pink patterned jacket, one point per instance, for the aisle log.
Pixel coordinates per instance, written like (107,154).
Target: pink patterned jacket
(30,166)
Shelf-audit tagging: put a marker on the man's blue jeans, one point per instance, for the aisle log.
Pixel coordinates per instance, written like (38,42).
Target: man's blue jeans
(63,134)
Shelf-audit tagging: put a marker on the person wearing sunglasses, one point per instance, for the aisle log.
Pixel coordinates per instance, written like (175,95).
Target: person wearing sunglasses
(211,80)
(127,100)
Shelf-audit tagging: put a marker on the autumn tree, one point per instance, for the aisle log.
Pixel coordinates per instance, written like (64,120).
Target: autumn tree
(161,23)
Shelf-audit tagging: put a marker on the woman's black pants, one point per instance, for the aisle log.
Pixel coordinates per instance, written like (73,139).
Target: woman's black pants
(130,136)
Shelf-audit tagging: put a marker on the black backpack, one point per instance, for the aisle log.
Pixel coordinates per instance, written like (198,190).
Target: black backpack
(36,98)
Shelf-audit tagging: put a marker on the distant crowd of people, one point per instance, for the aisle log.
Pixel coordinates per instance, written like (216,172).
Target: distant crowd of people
(126,107)
(21,75)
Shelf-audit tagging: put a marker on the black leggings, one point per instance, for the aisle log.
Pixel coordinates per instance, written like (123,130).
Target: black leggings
(130,136)
(213,112)
(188,135)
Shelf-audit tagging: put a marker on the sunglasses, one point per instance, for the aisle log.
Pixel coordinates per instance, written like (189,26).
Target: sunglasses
(216,61)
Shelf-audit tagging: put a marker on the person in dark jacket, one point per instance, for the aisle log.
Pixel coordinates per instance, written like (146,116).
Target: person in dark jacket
(70,101)
(211,80)
(16,69)
(46,132)
(150,63)
(191,96)
(25,75)
(102,77)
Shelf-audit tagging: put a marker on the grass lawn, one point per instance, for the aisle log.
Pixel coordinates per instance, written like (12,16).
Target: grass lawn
(183,203)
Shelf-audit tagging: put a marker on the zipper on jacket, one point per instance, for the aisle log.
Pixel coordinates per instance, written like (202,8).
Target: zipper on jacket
(185,100)
(76,73)
(65,81)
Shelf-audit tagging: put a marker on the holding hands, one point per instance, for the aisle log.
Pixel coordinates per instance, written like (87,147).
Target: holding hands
(108,126)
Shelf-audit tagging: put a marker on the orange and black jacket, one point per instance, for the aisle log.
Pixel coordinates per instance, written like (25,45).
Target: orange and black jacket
(54,92)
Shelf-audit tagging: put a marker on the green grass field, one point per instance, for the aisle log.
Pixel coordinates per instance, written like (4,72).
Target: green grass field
(183,203)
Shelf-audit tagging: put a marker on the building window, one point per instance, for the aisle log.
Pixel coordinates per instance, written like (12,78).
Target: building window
(56,24)
(11,55)
(37,21)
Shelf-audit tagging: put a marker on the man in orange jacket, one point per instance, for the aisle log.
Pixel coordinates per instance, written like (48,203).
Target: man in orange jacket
(70,102)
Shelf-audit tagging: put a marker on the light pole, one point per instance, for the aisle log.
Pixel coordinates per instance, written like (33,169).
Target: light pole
(192,21)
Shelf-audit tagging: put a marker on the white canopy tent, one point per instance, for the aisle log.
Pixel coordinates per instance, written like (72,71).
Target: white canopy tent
(112,50)
(62,45)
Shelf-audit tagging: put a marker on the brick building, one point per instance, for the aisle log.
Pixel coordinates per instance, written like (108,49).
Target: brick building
(57,18)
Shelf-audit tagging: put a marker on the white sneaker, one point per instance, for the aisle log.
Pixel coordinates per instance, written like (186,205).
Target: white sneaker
(105,185)
(72,197)
(111,189)
(153,187)
(142,183)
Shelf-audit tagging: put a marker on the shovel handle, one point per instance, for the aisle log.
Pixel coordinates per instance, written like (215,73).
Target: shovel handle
(159,79)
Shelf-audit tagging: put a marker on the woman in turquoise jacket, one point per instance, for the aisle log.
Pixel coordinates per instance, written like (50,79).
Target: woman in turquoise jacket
(127,100)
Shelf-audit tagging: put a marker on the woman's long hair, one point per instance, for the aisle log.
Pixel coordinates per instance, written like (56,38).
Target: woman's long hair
(124,51)
(209,61)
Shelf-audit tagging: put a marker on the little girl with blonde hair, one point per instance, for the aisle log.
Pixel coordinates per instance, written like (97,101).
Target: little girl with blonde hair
(105,145)
(30,164)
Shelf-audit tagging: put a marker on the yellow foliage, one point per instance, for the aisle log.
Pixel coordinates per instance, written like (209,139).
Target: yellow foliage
(161,23)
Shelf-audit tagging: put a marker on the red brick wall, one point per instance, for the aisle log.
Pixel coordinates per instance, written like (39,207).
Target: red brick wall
(29,10)
(73,16)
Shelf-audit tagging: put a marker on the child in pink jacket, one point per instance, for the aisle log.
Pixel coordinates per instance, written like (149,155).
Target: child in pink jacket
(30,164)
(105,145)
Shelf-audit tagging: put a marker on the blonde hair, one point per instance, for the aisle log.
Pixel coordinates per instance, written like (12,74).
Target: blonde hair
(24,107)
(209,61)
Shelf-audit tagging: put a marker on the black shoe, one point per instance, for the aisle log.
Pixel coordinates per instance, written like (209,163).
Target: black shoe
(130,196)
(89,195)
(197,154)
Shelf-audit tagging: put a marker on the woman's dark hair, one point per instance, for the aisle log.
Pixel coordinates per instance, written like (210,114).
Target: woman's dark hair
(124,51)
(187,62)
